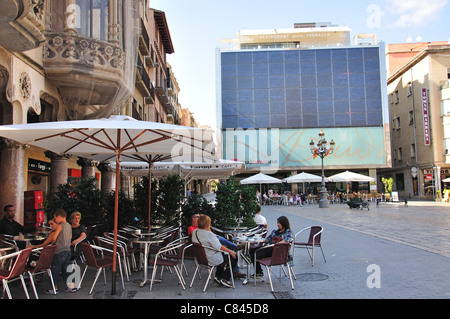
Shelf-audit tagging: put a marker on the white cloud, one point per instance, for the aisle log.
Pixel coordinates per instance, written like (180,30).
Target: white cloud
(415,12)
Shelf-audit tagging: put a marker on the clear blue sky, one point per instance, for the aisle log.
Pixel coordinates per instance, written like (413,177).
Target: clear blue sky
(197,26)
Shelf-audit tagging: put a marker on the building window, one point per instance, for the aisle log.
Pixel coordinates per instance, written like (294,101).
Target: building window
(396,100)
(92,18)
(413,150)
(399,154)
(409,90)
(411,117)
(396,123)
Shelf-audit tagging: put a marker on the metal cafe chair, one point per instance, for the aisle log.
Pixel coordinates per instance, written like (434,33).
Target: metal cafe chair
(314,240)
(16,271)
(169,256)
(279,257)
(98,263)
(43,264)
(202,260)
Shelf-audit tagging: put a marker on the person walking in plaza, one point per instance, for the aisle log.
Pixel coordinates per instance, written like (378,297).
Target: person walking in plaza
(204,236)
(282,234)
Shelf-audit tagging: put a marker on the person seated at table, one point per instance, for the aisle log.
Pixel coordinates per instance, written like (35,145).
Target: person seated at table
(51,238)
(8,225)
(194,224)
(298,199)
(78,231)
(259,219)
(266,199)
(204,236)
(282,234)
(228,244)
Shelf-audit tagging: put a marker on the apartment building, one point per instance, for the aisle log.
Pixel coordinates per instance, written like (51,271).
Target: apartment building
(72,60)
(419,104)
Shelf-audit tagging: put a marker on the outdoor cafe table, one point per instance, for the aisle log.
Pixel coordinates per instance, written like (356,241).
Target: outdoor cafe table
(28,238)
(235,231)
(4,247)
(147,242)
(248,241)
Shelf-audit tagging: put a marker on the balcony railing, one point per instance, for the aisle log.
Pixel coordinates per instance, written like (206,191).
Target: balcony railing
(144,40)
(144,84)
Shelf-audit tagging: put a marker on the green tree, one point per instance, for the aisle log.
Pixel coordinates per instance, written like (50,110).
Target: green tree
(141,200)
(127,212)
(388,184)
(168,201)
(83,197)
(194,204)
(235,204)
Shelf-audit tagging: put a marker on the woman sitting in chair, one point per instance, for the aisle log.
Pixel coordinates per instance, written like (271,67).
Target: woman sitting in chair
(78,230)
(282,234)
(204,236)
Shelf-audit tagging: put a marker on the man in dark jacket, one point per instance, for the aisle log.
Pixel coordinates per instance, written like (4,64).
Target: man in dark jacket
(8,225)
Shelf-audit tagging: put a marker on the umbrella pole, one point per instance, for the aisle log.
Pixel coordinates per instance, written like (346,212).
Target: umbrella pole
(116,222)
(150,167)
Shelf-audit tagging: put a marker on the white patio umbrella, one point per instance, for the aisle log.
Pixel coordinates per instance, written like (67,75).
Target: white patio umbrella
(186,170)
(113,138)
(447,180)
(260,179)
(304,178)
(348,176)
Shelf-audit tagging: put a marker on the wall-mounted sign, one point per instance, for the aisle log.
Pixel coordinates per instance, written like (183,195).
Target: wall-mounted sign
(39,166)
(426,117)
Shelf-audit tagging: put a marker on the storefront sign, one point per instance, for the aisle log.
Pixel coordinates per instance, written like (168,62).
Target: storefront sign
(426,117)
(39,166)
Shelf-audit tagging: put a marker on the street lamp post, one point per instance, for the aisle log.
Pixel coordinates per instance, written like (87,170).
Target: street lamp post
(322,150)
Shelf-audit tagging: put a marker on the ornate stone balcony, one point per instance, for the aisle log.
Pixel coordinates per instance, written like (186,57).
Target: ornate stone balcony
(89,72)
(21,24)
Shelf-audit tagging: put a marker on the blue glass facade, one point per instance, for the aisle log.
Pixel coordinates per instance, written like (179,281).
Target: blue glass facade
(339,87)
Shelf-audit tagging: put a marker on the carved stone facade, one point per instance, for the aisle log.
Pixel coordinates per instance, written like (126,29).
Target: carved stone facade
(84,57)
(71,60)
(22,24)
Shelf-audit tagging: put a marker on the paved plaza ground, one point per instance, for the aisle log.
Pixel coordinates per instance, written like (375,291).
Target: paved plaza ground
(387,252)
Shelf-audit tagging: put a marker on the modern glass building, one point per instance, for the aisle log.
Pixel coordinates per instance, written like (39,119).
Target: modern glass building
(278,88)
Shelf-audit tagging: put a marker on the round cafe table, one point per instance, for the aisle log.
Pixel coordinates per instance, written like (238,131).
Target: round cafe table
(147,242)
(28,238)
(248,241)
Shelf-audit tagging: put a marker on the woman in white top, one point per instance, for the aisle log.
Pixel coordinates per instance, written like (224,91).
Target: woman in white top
(204,236)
